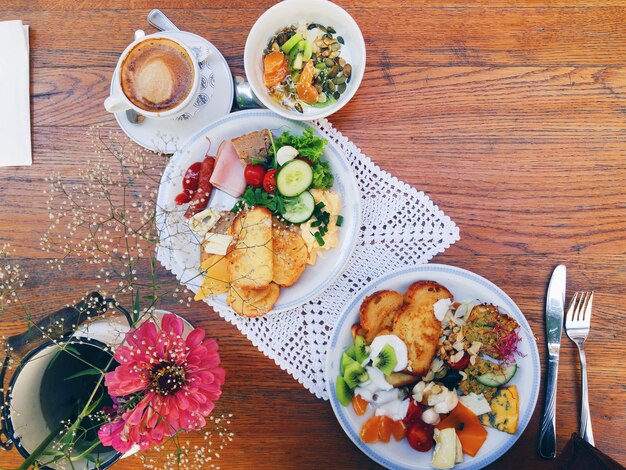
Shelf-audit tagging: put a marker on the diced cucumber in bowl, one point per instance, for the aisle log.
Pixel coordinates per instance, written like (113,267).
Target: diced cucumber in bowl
(300,208)
(294,178)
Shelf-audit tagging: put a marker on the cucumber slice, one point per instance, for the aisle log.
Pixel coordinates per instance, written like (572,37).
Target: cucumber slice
(497,379)
(294,178)
(291,43)
(300,208)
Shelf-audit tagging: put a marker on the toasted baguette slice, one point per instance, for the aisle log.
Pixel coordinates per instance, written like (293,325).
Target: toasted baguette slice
(253,302)
(426,290)
(250,255)
(290,256)
(417,326)
(378,311)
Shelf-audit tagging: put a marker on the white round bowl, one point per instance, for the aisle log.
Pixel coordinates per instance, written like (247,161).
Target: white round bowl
(290,12)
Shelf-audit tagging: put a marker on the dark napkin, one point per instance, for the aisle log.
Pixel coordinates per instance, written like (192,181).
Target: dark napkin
(580,455)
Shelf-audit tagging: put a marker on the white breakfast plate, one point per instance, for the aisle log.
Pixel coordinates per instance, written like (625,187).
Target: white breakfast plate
(179,248)
(214,100)
(464,285)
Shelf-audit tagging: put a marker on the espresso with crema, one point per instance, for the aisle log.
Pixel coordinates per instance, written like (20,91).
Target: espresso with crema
(157,74)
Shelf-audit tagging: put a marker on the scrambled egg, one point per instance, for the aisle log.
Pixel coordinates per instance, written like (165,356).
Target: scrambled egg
(332,205)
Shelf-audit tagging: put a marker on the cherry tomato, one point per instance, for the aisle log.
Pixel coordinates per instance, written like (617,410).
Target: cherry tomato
(414,413)
(420,436)
(254,175)
(269,181)
(460,365)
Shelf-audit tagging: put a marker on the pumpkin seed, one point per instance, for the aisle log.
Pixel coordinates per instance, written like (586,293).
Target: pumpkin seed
(325,53)
(341,87)
(335,47)
(329,41)
(298,107)
(336,95)
(333,72)
(318,88)
(321,27)
(322,98)
(330,29)
(320,65)
(347,70)
(339,80)
(334,54)
(331,86)
(342,61)
(329,62)
(340,39)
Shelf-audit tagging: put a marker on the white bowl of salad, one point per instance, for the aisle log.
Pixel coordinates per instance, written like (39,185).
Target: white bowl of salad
(305,60)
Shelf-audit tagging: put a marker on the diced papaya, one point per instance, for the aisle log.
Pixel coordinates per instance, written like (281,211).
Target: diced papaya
(471,433)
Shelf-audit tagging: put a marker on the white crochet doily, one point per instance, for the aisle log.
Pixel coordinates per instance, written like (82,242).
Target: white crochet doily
(400,226)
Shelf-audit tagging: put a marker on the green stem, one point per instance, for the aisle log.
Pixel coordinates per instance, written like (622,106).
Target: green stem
(32,458)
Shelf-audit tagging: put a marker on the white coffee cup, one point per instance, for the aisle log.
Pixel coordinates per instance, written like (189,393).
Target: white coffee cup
(118,101)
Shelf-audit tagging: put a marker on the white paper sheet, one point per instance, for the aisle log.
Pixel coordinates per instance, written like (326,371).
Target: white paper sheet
(15,143)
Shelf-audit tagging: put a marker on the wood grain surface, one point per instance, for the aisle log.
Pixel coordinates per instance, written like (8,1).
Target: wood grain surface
(510,115)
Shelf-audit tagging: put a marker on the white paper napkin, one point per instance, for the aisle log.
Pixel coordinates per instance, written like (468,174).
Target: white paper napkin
(14,95)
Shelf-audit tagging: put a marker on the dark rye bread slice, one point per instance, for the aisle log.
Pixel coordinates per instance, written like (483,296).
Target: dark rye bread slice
(417,325)
(378,311)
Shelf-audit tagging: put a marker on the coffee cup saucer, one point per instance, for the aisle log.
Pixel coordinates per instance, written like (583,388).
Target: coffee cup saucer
(214,100)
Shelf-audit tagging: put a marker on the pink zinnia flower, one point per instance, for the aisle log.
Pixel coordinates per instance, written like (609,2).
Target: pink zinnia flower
(164,384)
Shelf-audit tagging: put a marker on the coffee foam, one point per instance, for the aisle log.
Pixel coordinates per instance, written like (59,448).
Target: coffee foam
(157,74)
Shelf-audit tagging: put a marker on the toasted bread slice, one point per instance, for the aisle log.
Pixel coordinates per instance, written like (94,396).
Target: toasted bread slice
(290,256)
(418,327)
(250,255)
(426,290)
(378,311)
(253,302)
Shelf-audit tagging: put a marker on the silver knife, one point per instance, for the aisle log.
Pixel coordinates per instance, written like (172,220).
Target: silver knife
(555,305)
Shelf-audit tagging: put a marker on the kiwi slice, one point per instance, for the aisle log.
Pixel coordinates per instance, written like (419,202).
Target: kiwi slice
(351,352)
(354,374)
(386,360)
(345,361)
(344,394)
(361,349)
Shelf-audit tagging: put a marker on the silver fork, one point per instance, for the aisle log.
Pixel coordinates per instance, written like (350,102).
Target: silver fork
(577,325)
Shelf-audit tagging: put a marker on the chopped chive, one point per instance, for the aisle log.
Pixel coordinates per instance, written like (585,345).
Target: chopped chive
(317,223)
(318,237)
(339,220)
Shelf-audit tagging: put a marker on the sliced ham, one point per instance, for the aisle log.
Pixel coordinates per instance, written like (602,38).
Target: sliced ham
(228,173)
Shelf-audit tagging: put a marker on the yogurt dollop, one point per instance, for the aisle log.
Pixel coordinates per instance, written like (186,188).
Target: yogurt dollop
(398,346)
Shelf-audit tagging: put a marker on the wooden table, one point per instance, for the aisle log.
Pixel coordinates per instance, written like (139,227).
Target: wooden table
(511,115)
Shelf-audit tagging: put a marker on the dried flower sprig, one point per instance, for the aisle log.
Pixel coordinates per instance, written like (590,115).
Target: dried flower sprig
(106,217)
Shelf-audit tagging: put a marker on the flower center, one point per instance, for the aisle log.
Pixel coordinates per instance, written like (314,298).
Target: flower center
(167,378)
